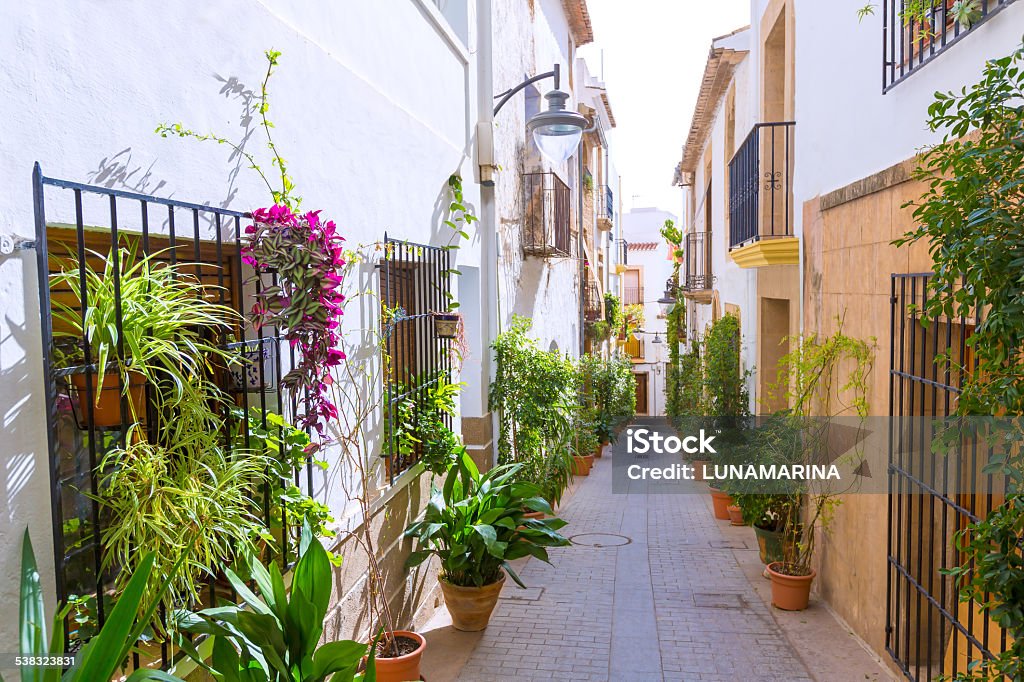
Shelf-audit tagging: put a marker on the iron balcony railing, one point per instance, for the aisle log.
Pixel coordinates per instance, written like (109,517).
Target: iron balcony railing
(591,302)
(632,296)
(760,185)
(911,39)
(606,203)
(546,216)
(697,276)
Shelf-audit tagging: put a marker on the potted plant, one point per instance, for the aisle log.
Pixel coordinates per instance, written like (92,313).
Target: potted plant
(447,325)
(144,321)
(276,633)
(815,394)
(475,525)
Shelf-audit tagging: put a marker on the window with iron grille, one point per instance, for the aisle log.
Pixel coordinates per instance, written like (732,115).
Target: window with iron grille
(929,631)
(910,42)
(78,223)
(547,229)
(415,285)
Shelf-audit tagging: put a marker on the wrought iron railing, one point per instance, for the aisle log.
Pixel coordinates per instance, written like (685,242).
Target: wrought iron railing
(697,255)
(606,203)
(591,302)
(929,632)
(73,223)
(632,295)
(760,185)
(911,40)
(546,216)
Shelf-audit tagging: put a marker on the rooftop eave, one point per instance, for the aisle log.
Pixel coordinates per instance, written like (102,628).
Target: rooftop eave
(579,21)
(726,54)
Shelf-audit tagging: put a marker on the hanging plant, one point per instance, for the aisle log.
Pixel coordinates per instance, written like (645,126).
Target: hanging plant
(305,302)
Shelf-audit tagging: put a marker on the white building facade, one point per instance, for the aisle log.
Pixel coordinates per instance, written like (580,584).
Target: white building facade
(643,278)
(375,106)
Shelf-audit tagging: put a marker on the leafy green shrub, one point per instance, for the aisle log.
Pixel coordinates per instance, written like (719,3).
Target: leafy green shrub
(534,393)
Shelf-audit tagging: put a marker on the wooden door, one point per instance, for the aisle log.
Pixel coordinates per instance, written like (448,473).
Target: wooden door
(641,393)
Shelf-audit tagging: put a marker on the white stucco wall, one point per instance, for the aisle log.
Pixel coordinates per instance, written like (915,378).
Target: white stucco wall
(735,285)
(846,128)
(374,105)
(546,290)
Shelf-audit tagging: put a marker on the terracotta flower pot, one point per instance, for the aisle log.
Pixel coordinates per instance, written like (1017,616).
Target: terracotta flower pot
(579,466)
(590,462)
(698,468)
(471,607)
(735,515)
(721,502)
(789,592)
(105,408)
(402,668)
(599,451)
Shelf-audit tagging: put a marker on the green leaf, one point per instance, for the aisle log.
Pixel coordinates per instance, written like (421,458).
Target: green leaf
(341,657)
(32,611)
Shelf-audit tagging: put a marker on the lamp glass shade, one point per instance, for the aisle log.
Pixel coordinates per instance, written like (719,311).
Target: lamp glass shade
(557,142)
(557,131)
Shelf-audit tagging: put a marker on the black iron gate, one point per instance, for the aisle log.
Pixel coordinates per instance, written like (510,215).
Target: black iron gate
(929,632)
(82,222)
(415,288)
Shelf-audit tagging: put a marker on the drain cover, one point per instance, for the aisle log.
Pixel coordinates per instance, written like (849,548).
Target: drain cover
(728,544)
(718,601)
(516,593)
(600,540)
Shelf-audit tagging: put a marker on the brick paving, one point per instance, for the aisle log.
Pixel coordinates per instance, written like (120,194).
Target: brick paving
(673,604)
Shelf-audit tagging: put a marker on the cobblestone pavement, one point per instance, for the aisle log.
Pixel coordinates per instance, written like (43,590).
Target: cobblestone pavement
(651,591)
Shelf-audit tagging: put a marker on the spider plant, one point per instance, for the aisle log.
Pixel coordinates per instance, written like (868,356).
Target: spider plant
(166,318)
(191,500)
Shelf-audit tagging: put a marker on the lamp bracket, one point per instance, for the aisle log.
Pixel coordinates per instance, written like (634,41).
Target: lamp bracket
(555,72)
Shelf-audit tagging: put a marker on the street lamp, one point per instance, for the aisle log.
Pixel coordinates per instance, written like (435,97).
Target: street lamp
(556,131)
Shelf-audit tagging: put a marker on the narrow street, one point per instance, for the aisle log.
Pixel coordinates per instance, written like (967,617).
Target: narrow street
(654,588)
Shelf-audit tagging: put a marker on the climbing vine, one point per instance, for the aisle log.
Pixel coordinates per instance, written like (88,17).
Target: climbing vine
(972,217)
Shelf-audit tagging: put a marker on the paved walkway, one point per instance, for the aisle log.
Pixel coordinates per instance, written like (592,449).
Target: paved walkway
(654,589)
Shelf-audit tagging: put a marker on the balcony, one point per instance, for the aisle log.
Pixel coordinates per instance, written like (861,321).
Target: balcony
(632,296)
(912,38)
(605,208)
(593,307)
(697,280)
(761,199)
(547,230)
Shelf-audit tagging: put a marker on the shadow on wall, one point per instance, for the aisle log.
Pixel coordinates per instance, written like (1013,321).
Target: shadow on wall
(120,171)
(25,483)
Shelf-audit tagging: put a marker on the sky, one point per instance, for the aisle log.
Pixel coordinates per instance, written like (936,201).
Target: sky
(654,52)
